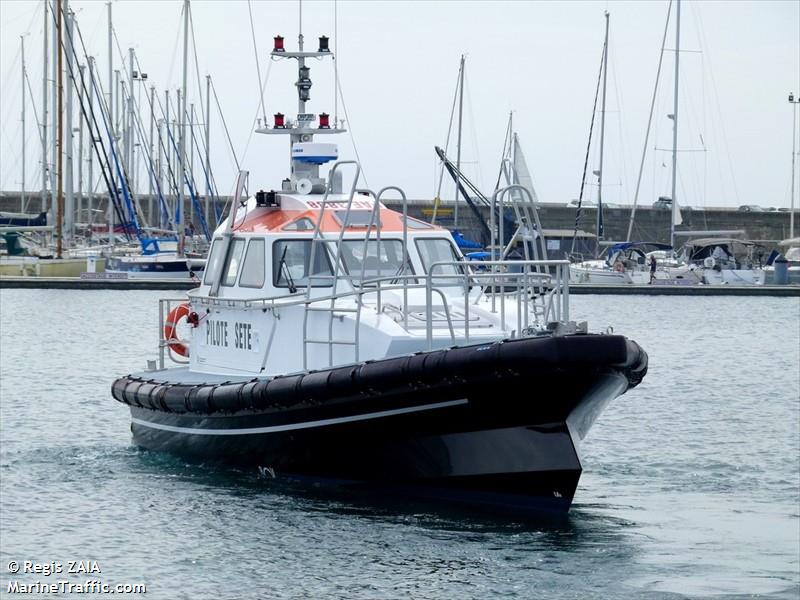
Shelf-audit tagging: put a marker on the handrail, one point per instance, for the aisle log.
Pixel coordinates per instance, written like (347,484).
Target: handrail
(318,237)
(404,262)
(561,289)
(292,300)
(551,291)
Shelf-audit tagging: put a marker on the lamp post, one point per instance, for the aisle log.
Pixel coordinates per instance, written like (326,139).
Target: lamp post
(794,102)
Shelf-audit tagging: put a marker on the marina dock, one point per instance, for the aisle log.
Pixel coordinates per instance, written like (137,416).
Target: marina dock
(99,283)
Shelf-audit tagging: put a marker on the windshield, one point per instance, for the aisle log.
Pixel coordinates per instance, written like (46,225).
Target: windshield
(214,262)
(231,268)
(388,263)
(291,260)
(432,251)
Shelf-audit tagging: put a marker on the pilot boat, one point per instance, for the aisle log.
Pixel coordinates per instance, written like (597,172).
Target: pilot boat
(335,340)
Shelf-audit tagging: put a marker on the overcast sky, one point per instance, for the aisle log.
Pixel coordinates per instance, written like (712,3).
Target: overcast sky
(398,64)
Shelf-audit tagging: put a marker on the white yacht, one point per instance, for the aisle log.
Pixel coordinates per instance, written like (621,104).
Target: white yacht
(725,261)
(629,263)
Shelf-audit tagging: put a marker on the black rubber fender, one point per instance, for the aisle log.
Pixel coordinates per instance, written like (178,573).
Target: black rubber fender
(466,365)
(282,391)
(382,374)
(313,387)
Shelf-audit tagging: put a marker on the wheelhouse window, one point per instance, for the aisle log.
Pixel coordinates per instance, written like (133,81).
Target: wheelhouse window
(291,262)
(435,250)
(234,262)
(214,262)
(386,263)
(413,223)
(356,218)
(301,224)
(253,267)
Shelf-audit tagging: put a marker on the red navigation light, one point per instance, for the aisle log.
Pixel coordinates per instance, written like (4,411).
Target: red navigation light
(324,121)
(278,44)
(279,124)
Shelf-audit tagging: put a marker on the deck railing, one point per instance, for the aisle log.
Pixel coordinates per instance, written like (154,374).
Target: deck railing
(509,288)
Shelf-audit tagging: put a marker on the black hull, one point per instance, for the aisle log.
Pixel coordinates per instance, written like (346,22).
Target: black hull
(494,431)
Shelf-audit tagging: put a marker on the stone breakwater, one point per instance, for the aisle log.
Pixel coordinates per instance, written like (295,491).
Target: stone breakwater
(650,224)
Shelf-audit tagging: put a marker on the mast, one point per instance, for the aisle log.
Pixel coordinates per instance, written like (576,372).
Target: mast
(302,79)
(44,110)
(182,125)
(82,68)
(602,138)
(304,170)
(675,129)
(111,104)
(191,155)
(69,174)
(177,123)
(150,150)
(90,174)
(161,157)
(22,89)
(208,146)
(129,124)
(649,123)
(111,122)
(60,136)
(458,147)
(54,148)
(794,155)
(168,149)
(118,94)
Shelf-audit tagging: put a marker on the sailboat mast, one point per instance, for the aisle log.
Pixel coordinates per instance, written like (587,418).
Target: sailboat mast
(207,132)
(69,174)
(128,127)
(191,155)
(53,84)
(649,123)
(60,135)
(602,138)
(675,125)
(44,110)
(458,146)
(22,89)
(182,125)
(111,112)
(151,151)
(82,69)
(794,155)
(90,174)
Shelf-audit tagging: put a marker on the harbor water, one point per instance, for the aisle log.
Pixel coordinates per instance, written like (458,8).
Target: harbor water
(691,487)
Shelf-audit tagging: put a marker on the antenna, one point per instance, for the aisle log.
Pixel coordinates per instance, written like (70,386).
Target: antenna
(305,156)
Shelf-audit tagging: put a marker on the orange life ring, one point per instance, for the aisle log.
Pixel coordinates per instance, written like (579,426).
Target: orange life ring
(171,329)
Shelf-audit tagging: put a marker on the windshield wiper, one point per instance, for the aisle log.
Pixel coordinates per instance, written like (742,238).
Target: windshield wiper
(283,269)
